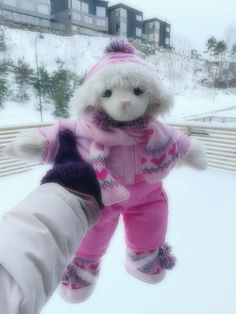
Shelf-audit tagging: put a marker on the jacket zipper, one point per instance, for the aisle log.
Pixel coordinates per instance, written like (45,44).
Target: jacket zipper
(129,165)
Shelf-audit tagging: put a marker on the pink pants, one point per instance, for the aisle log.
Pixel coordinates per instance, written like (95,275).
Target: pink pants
(145,217)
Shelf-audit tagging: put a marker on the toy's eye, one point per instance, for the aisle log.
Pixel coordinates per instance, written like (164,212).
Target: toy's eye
(138,91)
(107,93)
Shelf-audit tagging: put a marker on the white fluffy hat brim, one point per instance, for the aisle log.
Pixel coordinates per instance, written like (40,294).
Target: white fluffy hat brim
(125,75)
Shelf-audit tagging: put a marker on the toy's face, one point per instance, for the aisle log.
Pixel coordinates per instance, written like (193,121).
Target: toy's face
(125,104)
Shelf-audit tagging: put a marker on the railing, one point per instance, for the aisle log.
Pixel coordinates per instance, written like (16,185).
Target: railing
(8,165)
(220,143)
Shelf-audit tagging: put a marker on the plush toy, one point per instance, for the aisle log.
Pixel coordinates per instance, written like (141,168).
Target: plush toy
(118,132)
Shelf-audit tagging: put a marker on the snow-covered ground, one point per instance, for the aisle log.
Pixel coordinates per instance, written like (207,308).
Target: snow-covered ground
(188,105)
(202,233)
(202,102)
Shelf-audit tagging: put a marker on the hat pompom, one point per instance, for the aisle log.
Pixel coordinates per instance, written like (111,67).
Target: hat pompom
(120,45)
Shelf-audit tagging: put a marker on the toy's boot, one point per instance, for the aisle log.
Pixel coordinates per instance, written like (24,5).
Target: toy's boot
(150,266)
(79,280)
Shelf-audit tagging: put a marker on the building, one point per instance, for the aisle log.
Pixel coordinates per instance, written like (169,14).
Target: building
(156,32)
(125,21)
(89,17)
(33,13)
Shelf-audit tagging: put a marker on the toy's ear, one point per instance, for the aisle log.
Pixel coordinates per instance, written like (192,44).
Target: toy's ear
(161,101)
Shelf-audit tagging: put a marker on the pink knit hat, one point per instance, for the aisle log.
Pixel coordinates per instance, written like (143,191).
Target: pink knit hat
(120,67)
(117,52)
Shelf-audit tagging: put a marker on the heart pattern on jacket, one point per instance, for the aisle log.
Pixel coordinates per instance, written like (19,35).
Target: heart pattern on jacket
(102,174)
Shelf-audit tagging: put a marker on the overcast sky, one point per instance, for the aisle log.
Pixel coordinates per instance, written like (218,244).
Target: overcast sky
(194,20)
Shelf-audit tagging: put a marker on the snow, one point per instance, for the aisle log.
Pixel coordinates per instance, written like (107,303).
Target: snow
(204,102)
(78,52)
(201,232)
(26,114)
(202,207)
(180,74)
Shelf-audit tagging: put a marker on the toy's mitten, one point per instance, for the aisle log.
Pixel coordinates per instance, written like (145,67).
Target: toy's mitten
(195,156)
(28,145)
(74,174)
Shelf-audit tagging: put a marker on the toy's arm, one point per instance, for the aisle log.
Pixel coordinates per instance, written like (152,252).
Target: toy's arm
(39,145)
(191,151)
(28,145)
(195,155)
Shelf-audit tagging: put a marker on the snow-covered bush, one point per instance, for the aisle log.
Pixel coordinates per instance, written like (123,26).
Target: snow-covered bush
(23,79)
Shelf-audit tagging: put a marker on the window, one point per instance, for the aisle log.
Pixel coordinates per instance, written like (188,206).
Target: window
(167,41)
(123,28)
(121,12)
(157,25)
(10,2)
(43,8)
(145,37)
(117,27)
(168,29)
(88,19)
(76,4)
(74,27)
(36,20)
(101,22)
(45,22)
(153,37)
(138,32)
(154,25)
(17,17)
(27,4)
(31,19)
(139,17)
(151,25)
(100,11)
(85,7)
(76,16)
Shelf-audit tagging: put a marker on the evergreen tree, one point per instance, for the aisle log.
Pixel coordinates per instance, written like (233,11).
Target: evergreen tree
(3,91)
(61,92)
(220,49)
(42,83)
(4,69)
(62,86)
(233,51)
(211,45)
(23,77)
(3,46)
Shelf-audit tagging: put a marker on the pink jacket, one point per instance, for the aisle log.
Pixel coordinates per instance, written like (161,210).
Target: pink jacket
(123,161)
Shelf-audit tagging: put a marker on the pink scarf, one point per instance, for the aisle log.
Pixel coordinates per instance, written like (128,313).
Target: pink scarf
(158,158)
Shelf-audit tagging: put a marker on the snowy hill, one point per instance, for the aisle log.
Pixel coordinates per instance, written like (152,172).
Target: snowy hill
(79,52)
(181,74)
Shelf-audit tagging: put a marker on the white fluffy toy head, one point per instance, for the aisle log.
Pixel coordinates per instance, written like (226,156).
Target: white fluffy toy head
(123,85)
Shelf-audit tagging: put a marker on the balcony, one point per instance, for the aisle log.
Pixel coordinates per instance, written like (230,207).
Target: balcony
(20,18)
(94,22)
